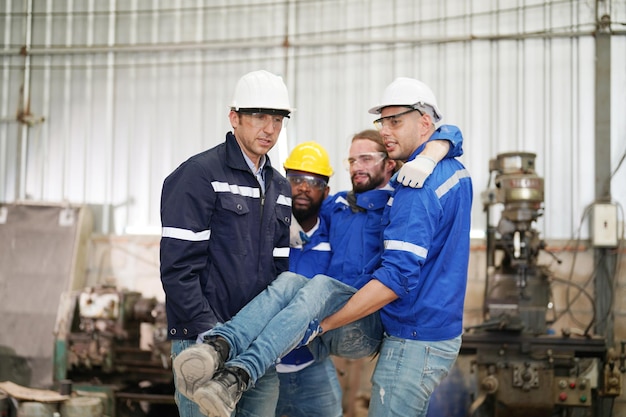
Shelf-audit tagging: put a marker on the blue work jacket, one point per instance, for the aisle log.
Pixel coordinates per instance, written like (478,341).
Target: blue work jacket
(309,259)
(356,236)
(451,133)
(312,257)
(224,238)
(425,261)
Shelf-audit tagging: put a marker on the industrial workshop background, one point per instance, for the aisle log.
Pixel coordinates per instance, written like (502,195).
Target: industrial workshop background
(101,99)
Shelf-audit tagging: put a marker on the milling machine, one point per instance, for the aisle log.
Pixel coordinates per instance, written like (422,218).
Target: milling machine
(98,349)
(521,367)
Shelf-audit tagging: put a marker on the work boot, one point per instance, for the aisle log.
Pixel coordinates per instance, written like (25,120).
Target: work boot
(219,397)
(194,367)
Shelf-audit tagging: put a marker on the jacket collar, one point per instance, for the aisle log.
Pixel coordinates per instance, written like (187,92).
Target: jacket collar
(234,155)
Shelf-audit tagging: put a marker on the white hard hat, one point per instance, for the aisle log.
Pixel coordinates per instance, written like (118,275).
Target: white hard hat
(261,90)
(408,92)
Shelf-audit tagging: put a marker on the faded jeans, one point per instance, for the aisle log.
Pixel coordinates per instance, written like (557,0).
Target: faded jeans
(310,392)
(407,373)
(260,401)
(275,321)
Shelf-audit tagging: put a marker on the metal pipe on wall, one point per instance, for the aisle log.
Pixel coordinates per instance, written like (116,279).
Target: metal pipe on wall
(24,106)
(293,43)
(109,109)
(605,258)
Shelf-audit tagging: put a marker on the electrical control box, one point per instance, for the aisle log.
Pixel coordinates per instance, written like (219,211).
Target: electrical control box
(604,225)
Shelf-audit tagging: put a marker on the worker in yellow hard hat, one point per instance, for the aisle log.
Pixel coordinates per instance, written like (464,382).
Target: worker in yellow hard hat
(308,170)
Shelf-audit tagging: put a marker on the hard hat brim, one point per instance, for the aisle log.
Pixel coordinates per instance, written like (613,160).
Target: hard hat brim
(378,109)
(248,110)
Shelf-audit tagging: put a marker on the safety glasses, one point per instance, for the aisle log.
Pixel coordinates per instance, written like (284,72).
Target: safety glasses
(364,160)
(260,120)
(392,121)
(310,181)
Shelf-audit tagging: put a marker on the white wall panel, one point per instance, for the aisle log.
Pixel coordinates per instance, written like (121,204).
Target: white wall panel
(131,89)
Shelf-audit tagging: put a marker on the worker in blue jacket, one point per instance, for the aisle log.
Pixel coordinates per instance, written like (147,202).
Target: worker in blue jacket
(308,387)
(308,171)
(420,284)
(225,217)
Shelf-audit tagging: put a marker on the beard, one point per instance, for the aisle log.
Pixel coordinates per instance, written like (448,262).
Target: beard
(372,183)
(304,213)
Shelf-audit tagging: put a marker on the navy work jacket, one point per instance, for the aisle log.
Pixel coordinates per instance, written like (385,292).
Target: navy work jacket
(224,239)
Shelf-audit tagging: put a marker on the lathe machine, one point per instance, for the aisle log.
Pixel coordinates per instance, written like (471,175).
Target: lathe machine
(522,366)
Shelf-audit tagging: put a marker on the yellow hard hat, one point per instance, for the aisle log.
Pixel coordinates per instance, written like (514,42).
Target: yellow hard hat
(309,157)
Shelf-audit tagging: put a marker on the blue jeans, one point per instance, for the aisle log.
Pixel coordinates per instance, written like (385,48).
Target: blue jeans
(274,322)
(260,401)
(407,373)
(310,392)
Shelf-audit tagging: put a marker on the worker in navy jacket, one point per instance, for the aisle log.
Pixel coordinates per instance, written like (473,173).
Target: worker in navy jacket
(225,217)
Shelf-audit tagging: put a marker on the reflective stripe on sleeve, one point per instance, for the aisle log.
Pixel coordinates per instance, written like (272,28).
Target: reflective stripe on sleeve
(451,182)
(184,234)
(406,247)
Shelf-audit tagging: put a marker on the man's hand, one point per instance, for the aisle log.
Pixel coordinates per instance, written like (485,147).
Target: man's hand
(311,333)
(415,172)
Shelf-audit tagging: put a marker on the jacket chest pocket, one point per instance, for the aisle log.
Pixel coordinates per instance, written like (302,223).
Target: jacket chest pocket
(283,214)
(283,221)
(235,204)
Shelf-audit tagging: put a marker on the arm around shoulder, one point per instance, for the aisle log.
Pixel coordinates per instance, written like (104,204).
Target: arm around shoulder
(445,142)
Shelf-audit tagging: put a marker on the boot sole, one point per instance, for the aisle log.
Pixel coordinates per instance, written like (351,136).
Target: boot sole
(194,368)
(210,401)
